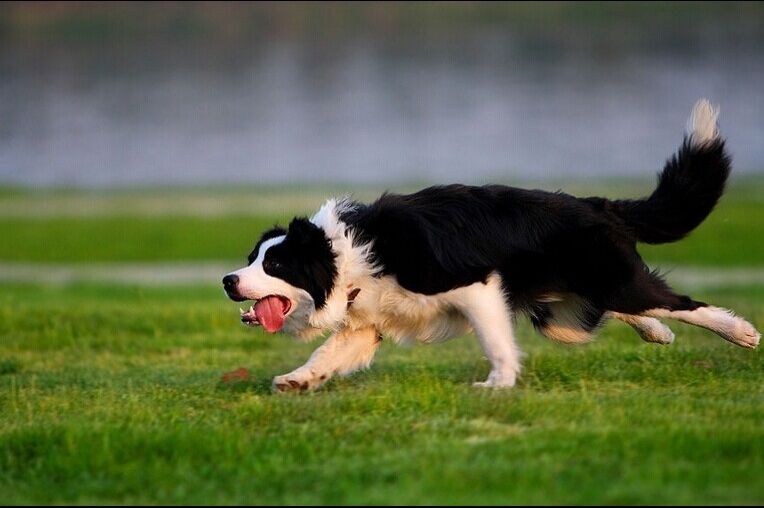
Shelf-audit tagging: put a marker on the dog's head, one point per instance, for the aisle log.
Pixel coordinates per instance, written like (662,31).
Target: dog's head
(290,276)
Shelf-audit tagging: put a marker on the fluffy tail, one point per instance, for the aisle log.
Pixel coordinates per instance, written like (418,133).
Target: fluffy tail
(690,185)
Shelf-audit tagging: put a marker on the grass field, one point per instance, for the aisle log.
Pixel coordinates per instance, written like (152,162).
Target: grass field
(111,392)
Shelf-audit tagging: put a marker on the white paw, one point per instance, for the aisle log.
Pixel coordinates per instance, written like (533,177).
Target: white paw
(300,380)
(745,335)
(657,332)
(498,379)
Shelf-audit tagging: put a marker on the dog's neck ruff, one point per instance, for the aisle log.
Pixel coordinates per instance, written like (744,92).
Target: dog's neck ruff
(354,270)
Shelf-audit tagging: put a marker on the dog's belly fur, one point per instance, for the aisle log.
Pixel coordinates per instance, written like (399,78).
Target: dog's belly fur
(406,316)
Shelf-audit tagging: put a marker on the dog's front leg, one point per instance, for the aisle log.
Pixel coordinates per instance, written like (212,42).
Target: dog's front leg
(343,353)
(488,312)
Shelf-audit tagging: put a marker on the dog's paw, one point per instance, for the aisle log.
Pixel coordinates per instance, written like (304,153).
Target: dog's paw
(298,381)
(498,379)
(655,331)
(743,334)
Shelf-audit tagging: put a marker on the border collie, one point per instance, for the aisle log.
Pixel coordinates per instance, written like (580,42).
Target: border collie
(452,259)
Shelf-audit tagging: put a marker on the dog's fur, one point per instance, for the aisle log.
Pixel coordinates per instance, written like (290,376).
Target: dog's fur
(450,259)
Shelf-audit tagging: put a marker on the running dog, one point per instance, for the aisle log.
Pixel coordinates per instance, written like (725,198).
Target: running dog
(452,259)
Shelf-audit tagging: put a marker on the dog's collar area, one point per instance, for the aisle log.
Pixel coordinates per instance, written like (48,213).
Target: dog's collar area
(351,296)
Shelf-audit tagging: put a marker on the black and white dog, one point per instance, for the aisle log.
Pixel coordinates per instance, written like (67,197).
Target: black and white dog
(452,259)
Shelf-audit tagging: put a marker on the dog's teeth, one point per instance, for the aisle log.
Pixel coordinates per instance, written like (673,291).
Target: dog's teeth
(251,308)
(241,310)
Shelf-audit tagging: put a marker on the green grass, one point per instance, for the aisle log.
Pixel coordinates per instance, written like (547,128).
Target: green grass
(91,239)
(113,394)
(732,235)
(193,226)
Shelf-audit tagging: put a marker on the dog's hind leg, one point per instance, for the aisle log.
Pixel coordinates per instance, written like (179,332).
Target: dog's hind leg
(488,312)
(650,329)
(566,317)
(721,321)
(647,295)
(343,353)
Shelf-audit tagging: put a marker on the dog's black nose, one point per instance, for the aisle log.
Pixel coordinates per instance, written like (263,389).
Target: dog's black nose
(230,282)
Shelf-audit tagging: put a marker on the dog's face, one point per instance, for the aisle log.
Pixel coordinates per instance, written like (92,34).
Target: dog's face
(290,275)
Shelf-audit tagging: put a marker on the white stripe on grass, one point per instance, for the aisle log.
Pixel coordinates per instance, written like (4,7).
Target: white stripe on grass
(683,279)
(142,274)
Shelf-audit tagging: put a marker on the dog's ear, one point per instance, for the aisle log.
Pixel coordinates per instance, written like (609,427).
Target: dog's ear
(304,232)
(275,231)
(311,252)
(301,226)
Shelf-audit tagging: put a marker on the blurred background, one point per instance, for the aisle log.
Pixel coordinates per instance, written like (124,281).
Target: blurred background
(131,94)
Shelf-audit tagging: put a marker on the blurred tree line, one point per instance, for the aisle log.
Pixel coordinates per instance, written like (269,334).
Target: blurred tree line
(97,21)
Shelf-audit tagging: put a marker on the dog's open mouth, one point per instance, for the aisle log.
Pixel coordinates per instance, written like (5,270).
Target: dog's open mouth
(270,312)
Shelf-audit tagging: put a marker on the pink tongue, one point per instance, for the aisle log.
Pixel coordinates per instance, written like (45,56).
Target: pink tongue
(270,313)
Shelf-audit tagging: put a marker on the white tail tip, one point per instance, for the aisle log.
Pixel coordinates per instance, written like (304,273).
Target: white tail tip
(701,126)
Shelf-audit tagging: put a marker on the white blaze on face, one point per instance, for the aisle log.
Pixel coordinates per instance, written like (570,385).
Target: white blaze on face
(254,283)
(273,296)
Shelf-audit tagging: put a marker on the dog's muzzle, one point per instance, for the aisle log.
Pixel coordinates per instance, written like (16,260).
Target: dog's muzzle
(231,287)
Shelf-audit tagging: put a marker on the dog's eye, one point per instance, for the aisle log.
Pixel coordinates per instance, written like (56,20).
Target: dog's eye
(271,264)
